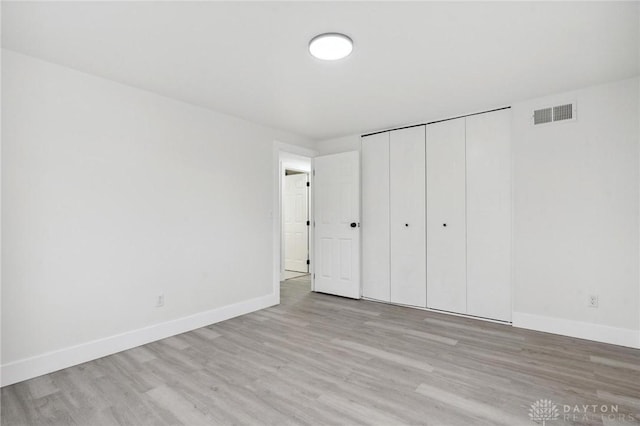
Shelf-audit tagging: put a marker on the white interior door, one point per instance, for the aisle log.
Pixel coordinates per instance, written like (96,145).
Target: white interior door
(407,216)
(296,231)
(375,217)
(337,216)
(489,215)
(446,216)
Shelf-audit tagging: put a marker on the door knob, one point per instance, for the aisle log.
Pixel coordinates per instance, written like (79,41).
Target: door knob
(353,224)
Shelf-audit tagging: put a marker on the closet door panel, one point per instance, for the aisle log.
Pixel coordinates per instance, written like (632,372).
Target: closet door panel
(489,215)
(446,216)
(407,216)
(375,217)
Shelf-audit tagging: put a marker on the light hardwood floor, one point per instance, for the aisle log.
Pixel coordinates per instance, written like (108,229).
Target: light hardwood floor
(318,359)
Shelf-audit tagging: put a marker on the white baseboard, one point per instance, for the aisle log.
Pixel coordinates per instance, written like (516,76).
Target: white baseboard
(28,368)
(583,330)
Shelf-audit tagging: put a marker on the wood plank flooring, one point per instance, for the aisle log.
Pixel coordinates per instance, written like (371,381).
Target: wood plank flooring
(323,360)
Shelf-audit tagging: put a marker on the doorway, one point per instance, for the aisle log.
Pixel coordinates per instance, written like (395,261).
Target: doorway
(295,217)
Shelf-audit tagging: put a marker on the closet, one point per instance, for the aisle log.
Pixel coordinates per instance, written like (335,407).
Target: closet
(436,216)
(393,227)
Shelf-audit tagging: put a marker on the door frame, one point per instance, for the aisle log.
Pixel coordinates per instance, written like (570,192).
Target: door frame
(281,150)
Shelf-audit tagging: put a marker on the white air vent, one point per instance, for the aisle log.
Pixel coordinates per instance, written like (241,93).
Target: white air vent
(541,116)
(565,112)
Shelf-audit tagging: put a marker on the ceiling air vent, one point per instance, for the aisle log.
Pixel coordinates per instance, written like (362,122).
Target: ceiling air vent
(565,112)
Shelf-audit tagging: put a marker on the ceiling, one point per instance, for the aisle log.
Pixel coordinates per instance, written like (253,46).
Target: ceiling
(412,61)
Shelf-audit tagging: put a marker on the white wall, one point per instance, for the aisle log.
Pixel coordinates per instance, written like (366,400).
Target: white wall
(111,196)
(338,145)
(295,162)
(576,215)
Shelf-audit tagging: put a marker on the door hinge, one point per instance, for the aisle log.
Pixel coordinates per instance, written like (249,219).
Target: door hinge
(308,223)
(308,262)
(308,183)
(314,172)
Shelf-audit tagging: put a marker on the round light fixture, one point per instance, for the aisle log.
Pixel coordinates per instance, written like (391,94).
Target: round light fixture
(330,46)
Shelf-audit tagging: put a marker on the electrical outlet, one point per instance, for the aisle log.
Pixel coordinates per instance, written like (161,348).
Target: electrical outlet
(160,301)
(593,301)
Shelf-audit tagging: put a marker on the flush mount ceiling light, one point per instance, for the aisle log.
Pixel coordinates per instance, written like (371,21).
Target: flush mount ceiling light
(330,46)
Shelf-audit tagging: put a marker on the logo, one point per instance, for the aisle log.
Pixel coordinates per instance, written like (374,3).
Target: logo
(546,410)
(543,410)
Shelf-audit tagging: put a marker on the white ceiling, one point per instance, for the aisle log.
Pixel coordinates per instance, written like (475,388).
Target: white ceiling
(412,61)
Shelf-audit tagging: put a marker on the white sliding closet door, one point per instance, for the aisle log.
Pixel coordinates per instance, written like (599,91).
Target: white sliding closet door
(489,215)
(407,216)
(375,217)
(446,216)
